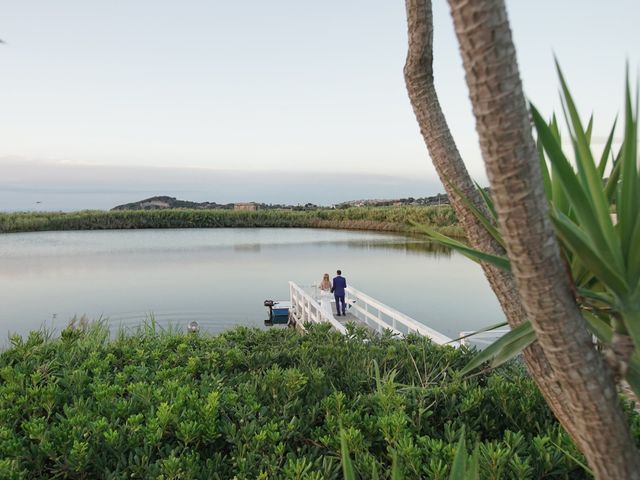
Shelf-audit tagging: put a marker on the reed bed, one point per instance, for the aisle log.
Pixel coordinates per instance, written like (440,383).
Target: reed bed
(390,219)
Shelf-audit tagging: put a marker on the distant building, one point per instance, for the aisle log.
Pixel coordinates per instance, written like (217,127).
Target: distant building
(154,204)
(245,206)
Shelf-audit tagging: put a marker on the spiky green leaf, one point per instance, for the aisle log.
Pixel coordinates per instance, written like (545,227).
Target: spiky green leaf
(347,465)
(473,254)
(580,245)
(629,194)
(487,201)
(513,349)
(458,467)
(484,220)
(587,169)
(489,353)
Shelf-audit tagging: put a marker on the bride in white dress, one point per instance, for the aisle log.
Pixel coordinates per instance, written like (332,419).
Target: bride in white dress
(325,295)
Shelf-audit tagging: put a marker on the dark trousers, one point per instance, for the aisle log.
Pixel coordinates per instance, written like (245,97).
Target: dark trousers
(339,300)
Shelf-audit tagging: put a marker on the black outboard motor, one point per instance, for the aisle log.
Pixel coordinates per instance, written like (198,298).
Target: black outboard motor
(269,304)
(278,310)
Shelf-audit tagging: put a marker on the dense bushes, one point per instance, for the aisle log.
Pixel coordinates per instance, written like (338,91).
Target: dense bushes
(366,218)
(263,404)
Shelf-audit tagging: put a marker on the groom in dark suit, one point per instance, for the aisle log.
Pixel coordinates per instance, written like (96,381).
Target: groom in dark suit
(339,284)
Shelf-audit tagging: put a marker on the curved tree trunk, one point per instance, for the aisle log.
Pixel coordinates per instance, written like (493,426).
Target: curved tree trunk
(418,72)
(510,155)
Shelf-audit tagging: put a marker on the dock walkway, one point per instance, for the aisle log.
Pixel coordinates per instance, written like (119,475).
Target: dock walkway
(362,309)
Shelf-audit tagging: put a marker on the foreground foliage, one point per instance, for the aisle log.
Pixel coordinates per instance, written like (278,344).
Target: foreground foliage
(265,404)
(397,219)
(595,208)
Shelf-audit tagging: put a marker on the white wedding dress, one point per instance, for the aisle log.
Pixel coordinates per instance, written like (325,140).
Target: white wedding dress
(326,297)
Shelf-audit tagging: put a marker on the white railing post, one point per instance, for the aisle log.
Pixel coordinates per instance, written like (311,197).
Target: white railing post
(365,307)
(310,310)
(366,313)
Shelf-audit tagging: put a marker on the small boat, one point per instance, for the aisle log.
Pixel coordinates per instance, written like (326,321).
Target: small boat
(278,309)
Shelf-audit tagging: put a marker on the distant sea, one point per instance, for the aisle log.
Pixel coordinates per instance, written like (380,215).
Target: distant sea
(32,201)
(227,187)
(35,199)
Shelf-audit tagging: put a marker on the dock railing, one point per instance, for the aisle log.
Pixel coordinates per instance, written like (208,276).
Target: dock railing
(305,309)
(379,316)
(365,309)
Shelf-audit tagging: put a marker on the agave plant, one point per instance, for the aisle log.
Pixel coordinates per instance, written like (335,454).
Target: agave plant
(597,222)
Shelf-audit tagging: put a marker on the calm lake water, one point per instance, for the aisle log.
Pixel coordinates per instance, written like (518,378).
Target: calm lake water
(220,277)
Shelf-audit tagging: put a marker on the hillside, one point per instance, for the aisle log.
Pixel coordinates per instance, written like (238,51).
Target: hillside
(165,202)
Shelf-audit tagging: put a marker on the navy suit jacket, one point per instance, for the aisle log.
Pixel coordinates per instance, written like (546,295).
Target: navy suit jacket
(339,284)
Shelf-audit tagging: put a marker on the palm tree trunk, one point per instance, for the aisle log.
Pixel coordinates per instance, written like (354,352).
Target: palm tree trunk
(418,72)
(511,159)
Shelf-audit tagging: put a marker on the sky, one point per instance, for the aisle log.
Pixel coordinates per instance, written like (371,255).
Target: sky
(108,102)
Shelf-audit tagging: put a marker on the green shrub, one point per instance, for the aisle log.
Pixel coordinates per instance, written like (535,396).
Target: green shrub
(264,404)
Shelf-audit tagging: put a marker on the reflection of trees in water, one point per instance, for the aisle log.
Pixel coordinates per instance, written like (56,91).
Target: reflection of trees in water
(247,247)
(409,245)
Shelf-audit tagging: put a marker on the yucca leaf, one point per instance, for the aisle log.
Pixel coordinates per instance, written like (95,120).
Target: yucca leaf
(599,296)
(611,187)
(602,165)
(512,349)
(589,129)
(473,471)
(580,273)
(555,129)
(487,201)
(586,166)
(628,207)
(577,461)
(374,472)
(559,197)
(557,194)
(580,245)
(458,467)
(488,354)
(580,201)
(634,259)
(482,330)
(469,252)
(601,329)
(480,216)
(347,465)
(576,151)
(396,470)
(631,319)
(544,169)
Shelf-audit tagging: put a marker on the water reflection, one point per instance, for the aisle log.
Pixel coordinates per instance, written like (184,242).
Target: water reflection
(414,246)
(247,247)
(220,277)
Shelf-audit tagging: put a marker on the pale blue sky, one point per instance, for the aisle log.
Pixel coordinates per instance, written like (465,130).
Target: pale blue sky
(292,86)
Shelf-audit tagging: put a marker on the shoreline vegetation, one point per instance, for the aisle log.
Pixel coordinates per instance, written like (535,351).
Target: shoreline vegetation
(268,404)
(383,219)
